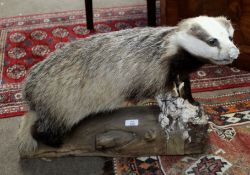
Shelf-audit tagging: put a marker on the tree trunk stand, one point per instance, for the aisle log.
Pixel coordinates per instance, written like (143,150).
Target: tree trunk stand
(107,135)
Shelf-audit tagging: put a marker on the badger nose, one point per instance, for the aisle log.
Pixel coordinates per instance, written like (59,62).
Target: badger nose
(234,52)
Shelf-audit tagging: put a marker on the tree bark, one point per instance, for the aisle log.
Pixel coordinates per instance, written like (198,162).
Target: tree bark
(107,135)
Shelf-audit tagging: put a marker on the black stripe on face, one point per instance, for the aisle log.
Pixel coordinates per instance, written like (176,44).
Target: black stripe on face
(198,32)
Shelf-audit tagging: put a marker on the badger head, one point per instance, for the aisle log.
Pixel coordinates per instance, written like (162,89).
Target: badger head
(208,38)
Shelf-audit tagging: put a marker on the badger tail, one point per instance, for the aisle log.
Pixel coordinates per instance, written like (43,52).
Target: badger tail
(26,143)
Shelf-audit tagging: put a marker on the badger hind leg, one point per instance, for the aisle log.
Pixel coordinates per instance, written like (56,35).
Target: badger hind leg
(26,143)
(49,131)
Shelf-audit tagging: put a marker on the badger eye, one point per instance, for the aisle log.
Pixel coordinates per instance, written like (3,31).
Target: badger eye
(213,42)
(230,38)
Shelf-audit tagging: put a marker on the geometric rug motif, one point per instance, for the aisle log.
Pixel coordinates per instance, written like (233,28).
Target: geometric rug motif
(226,134)
(210,165)
(236,117)
(223,110)
(227,109)
(137,166)
(230,119)
(228,146)
(233,156)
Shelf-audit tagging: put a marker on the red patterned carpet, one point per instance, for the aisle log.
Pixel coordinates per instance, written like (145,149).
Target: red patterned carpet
(24,41)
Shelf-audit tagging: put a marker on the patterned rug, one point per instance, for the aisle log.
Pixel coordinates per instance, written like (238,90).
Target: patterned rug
(26,40)
(228,147)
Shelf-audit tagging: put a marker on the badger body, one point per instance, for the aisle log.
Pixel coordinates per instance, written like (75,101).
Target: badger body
(99,73)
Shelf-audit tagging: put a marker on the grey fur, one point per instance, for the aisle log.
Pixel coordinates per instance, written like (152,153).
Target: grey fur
(89,75)
(96,74)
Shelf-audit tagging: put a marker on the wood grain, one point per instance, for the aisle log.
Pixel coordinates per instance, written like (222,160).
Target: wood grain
(106,135)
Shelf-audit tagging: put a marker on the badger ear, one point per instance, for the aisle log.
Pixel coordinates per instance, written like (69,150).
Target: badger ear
(224,21)
(223,18)
(194,28)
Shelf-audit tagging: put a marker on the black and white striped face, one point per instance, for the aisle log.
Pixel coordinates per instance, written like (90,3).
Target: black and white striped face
(210,38)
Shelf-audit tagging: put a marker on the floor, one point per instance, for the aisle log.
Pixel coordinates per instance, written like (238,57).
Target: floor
(12,165)
(9,157)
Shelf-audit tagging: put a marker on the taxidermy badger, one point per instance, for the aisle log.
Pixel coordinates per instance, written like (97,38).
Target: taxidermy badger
(100,72)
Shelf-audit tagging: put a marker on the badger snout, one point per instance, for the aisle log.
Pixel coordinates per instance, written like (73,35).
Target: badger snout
(234,53)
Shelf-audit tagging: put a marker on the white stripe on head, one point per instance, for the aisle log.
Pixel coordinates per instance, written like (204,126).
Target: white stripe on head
(195,33)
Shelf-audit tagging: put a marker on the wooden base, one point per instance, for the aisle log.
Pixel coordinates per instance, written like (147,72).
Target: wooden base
(107,135)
